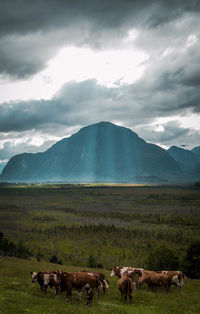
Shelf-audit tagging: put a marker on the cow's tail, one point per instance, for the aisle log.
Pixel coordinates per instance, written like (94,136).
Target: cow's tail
(106,284)
(100,282)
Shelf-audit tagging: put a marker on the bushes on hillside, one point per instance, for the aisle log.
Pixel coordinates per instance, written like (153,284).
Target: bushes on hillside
(162,258)
(8,248)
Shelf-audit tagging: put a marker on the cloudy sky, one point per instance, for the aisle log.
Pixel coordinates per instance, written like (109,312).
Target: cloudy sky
(65,64)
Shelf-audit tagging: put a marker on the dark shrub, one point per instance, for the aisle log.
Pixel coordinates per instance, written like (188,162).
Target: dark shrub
(162,258)
(191,262)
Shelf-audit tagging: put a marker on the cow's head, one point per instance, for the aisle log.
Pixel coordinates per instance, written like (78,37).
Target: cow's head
(176,281)
(116,270)
(34,276)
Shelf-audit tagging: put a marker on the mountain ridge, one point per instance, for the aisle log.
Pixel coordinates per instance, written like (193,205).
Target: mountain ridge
(101,152)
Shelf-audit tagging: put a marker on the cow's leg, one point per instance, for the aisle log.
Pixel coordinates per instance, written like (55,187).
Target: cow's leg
(89,293)
(130,297)
(80,294)
(69,295)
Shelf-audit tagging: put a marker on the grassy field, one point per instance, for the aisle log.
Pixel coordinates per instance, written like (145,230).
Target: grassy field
(18,295)
(116,224)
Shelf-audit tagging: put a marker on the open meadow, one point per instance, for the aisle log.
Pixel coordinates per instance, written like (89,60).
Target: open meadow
(19,295)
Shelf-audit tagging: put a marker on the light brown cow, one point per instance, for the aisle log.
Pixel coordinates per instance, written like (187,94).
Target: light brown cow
(153,280)
(125,286)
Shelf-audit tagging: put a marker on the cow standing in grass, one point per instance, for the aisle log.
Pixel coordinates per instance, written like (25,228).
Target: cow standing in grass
(154,280)
(79,281)
(125,286)
(102,279)
(43,278)
(119,271)
(177,277)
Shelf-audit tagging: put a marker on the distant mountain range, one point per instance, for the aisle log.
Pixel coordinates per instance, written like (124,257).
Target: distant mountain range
(105,152)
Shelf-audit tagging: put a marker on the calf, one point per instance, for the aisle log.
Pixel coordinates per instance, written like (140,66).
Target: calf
(79,281)
(125,286)
(154,280)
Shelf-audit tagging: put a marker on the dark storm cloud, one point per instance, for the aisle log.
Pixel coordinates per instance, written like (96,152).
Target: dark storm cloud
(28,28)
(74,103)
(87,102)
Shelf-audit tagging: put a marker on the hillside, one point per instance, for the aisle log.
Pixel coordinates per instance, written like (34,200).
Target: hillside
(102,152)
(19,295)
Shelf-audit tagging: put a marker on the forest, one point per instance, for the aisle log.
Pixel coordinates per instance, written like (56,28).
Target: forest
(98,225)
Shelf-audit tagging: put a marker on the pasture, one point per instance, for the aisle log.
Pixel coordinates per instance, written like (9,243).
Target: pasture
(19,295)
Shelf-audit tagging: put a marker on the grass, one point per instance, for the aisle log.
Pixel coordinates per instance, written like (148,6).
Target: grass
(18,295)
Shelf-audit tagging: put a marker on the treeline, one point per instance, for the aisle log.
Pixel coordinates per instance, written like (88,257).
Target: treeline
(8,248)
(121,233)
(153,218)
(165,258)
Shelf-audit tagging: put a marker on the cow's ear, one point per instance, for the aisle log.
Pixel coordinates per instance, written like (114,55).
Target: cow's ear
(31,273)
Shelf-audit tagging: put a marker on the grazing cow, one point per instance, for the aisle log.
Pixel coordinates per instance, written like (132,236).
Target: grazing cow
(153,280)
(125,286)
(177,277)
(102,279)
(79,281)
(42,278)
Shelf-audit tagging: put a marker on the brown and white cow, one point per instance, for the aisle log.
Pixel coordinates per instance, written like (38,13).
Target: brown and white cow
(132,272)
(125,286)
(79,281)
(102,279)
(177,277)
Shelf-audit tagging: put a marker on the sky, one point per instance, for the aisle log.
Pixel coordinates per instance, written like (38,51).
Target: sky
(65,64)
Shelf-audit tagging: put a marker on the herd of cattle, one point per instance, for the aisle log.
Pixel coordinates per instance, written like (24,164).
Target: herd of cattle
(129,278)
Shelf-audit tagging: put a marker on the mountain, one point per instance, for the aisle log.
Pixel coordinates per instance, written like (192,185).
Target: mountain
(196,151)
(102,152)
(187,159)
(1,167)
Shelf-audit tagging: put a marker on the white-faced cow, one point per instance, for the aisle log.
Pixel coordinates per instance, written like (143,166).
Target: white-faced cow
(42,278)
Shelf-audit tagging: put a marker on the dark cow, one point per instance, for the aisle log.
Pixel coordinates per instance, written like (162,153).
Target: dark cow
(79,281)
(125,286)
(153,280)
(43,278)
